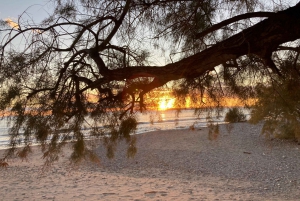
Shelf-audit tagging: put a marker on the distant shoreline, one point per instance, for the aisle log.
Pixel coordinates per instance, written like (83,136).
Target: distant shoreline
(167,122)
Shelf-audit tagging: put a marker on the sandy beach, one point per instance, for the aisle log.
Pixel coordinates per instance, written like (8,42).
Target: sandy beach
(169,165)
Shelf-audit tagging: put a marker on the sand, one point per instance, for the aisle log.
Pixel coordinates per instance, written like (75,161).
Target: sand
(169,165)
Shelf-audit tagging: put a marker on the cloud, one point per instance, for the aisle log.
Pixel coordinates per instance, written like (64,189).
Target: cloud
(11,23)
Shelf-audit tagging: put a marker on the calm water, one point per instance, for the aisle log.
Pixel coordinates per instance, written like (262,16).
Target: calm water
(151,121)
(166,120)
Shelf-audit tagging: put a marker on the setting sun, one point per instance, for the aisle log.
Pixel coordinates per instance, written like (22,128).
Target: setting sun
(166,103)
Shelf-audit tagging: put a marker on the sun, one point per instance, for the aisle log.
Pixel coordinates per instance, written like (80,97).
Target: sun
(166,103)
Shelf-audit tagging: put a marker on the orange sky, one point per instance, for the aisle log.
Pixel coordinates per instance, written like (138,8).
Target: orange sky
(167,101)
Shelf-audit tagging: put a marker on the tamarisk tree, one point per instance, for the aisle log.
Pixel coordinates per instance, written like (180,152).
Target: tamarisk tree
(91,63)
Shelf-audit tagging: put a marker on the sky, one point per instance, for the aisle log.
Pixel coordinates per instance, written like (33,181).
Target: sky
(37,11)
(14,8)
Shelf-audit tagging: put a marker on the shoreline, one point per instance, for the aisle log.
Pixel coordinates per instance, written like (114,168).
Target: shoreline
(169,165)
(168,121)
(2,147)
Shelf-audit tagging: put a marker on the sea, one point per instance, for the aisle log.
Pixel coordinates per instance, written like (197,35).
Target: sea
(153,121)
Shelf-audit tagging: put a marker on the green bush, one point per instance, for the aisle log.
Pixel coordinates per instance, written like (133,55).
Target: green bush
(234,115)
(277,105)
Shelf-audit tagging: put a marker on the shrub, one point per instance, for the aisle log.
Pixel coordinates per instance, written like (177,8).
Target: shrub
(235,115)
(277,105)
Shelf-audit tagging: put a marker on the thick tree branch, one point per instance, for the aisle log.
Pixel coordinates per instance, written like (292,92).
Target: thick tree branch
(261,39)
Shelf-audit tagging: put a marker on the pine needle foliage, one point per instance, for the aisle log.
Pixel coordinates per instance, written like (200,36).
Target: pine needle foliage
(278,105)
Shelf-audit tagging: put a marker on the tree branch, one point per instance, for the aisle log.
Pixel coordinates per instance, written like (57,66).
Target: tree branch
(233,19)
(118,23)
(260,39)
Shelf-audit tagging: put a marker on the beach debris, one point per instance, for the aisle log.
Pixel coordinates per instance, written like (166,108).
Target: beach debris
(3,164)
(192,127)
(151,194)
(246,152)
(106,194)
(213,131)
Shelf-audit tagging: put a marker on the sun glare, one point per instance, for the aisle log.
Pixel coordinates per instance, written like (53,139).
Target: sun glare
(166,103)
